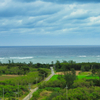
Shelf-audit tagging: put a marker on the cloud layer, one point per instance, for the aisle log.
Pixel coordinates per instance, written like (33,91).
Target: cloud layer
(49,18)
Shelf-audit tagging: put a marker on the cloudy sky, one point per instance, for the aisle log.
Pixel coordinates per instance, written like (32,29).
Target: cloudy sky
(49,22)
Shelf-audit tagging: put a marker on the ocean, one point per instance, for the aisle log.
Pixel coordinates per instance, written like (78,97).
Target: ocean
(47,54)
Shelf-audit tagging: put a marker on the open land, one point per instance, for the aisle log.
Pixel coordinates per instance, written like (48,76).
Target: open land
(4,77)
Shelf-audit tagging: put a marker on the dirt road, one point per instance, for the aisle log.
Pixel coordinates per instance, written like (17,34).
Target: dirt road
(33,90)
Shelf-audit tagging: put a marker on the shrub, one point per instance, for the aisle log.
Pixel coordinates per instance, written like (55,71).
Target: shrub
(53,83)
(82,83)
(70,77)
(92,93)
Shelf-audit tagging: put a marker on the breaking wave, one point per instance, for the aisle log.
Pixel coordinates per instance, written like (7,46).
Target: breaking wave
(21,57)
(82,56)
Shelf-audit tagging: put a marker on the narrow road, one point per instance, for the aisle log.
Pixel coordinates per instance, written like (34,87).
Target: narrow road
(33,90)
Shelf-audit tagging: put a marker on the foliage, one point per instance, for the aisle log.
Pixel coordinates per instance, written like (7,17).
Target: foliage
(82,83)
(96,82)
(52,88)
(70,77)
(98,73)
(54,94)
(80,93)
(93,71)
(9,90)
(55,83)
(64,66)
(20,68)
(11,85)
(56,77)
(36,94)
(82,68)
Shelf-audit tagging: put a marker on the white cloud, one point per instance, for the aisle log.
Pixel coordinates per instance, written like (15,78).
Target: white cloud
(94,20)
(40,17)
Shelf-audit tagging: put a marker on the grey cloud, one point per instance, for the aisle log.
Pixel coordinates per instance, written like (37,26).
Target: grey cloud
(27,9)
(43,17)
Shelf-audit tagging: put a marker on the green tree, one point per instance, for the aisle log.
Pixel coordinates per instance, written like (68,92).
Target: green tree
(70,77)
(82,68)
(93,71)
(98,73)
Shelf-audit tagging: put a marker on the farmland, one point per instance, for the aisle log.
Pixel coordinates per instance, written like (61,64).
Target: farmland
(16,78)
(79,81)
(80,84)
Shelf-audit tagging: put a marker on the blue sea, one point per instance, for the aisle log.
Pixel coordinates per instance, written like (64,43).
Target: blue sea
(46,54)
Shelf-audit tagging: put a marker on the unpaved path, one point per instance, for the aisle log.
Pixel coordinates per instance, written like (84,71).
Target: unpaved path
(33,90)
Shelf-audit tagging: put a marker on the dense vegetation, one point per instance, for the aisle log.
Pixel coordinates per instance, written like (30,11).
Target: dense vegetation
(63,66)
(67,86)
(26,74)
(72,87)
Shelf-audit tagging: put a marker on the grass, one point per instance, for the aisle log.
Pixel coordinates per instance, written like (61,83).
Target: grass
(54,77)
(6,77)
(87,77)
(82,75)
(44,94)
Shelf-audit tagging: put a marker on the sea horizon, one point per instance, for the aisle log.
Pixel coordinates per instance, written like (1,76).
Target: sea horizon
(49,53)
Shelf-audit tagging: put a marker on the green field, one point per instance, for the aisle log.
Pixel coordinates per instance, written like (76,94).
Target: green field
(54,77)
(78,76)
(87,77)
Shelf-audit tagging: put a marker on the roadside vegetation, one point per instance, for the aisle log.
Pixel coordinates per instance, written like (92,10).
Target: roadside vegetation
(16,79)
(68,85)
(73,81)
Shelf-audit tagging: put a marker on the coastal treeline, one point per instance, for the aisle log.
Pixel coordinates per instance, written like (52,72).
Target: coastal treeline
(20,68)
(68,65)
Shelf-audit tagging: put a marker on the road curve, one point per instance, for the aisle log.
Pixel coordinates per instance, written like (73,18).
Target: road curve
(33,90)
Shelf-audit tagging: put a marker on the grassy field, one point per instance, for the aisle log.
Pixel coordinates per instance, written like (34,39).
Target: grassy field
(78,76)
(44,94)
(54,77)
(4,77)
(87,77)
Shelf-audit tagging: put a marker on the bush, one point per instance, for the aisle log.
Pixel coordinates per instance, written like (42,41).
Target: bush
(36,94)
(70,77)
(92,93)
(82,83)
(53,83)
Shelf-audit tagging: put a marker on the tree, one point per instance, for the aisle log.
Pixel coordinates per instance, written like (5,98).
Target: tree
(82,68)
(57,65)
(70,77)
(30,64)
(87,67)
(9,61)
(98,73)
(93,71)
(73,71)
(71,62)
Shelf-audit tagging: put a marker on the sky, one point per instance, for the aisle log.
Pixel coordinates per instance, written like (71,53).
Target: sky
(49,22)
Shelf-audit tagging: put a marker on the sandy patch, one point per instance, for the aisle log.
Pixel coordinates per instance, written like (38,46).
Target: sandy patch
(62,73)
(11,75)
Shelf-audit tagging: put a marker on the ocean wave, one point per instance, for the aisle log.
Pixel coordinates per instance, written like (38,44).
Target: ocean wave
(21,57)
(58,57)
(82,56)
(2,58)
(98,56)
